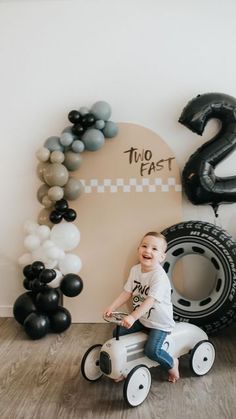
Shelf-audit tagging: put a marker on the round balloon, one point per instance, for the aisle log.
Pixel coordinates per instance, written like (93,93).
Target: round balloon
(60,320)
(36,325)
(23,306)
(66,236)
(70,264)
(71,285)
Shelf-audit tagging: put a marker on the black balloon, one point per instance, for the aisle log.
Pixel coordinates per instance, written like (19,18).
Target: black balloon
(27,283)
(23,306)
(37,267)
(36,325)
(61,205)
(87,120)
(28,272)
(69,215)
(47,300)
(60,320)
(78,130)
(74,116)
(71,285)
(47,275)
(37,285)
(55,217)
(200,182)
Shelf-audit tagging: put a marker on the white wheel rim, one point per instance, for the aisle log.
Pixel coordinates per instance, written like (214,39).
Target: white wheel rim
(91,365)
(138,386)
(203,358)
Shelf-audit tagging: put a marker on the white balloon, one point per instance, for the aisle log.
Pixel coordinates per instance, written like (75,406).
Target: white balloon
(51,263)
(25,259)
(65,235)
(47,244)
(55,283)
(43,232)
(54,252)
(31,242)
(30,227)
(70,264)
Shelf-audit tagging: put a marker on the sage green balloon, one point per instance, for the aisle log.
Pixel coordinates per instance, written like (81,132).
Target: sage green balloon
(56,174)
(42,191)
(93,139)
(101,110)
(72,160)
(53,143)
(40,169)
(110,130)
(43,217)
(73,189)
(55,193)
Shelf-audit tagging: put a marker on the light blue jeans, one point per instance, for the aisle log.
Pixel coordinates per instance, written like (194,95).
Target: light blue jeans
(153,347)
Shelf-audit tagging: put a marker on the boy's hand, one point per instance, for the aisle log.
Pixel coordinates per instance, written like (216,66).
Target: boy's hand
(128,321)
(107,312)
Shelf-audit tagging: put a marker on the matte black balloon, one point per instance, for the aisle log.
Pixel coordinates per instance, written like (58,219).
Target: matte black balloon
(36,325)
(69,215)
(37,267)
(87,120)
(74,116)
(60,320)
(47,300)
(28,272)
(55,217)
(200,182)
(71,285)
(61,206)
(47,275)
(78,130)
(23,306)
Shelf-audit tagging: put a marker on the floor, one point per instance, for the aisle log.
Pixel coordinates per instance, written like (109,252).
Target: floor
(42,379)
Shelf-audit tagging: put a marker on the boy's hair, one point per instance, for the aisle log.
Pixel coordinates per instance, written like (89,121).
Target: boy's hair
(159,236)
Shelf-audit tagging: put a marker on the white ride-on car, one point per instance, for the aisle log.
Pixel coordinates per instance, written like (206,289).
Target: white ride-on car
(124,355)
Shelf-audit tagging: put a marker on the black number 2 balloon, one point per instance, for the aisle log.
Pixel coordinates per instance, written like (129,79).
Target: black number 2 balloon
(199,180)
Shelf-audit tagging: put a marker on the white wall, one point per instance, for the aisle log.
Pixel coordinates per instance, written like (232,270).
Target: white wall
(147,58)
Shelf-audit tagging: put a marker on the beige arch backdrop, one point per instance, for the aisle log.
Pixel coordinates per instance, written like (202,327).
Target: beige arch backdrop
(132,185)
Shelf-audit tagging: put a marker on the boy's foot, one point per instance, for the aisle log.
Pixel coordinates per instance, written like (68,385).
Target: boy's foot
(174,372)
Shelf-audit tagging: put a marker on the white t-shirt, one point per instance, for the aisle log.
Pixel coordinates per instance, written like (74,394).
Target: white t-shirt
(154,284)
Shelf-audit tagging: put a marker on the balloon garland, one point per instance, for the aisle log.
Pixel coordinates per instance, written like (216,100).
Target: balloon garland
(49,268)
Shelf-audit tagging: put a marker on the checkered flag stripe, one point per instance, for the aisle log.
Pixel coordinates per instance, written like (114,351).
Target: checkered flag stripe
(131,185)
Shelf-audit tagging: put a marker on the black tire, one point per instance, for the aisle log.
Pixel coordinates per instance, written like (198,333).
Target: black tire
(90,368)
(195,237)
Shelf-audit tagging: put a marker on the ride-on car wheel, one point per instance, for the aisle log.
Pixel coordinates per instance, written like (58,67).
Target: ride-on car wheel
(202,357)
(90,367)
(137,385)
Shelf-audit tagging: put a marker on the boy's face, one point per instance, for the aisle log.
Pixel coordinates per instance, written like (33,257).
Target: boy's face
(151,252)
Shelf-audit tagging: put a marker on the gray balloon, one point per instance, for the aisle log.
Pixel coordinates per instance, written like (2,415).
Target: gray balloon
(73,189)
(43,217)
(53,144)
(72,160)
(93,139)
(56,174)
(101,110)
(40,169)
(110,130)
(42,191)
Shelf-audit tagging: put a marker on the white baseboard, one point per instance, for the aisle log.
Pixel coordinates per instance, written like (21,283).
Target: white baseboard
(6,311)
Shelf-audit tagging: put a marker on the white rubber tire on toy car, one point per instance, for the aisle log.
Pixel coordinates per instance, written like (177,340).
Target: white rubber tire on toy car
(90,367)
(137,385)
(202,357)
